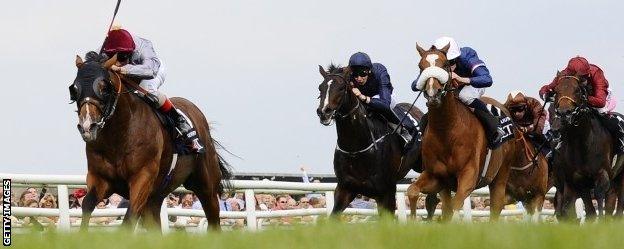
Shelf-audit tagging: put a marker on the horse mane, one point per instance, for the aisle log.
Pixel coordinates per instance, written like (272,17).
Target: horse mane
(93,56)
(335,69)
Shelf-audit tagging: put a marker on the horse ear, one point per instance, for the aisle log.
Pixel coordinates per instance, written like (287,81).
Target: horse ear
(79,61)
(322,71)
(558,73)
(110,62)
(446,48)
(420,50)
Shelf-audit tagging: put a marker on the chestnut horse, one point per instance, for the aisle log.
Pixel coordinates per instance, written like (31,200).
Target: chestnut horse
(130,152)
(528,181)
(454,145)
(368,157)
(582,163)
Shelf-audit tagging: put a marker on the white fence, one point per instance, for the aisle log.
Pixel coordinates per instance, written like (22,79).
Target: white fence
(249,187)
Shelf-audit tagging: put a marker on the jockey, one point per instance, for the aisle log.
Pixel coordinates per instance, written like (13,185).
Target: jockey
(599,96)
(372,86)
(527,113)
(136,57)
(472,76)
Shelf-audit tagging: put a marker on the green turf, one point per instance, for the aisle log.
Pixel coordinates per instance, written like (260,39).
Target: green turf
(370,235)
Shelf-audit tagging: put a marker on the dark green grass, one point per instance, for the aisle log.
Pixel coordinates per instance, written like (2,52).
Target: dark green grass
(370,235)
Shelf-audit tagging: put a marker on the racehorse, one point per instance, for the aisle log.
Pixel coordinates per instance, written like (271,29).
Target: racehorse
(528,180)
(130,152)
(582,162)
(454,145)
(368,158)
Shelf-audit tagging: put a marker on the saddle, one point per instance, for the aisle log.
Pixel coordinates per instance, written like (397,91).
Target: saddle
(506,123)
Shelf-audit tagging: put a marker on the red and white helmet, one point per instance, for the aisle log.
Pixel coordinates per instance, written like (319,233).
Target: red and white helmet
(453,51)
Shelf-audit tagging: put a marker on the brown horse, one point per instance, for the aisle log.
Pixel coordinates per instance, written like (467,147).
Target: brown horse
(368,159)
(528,181)
(130,152)
(582,163)
(454,146)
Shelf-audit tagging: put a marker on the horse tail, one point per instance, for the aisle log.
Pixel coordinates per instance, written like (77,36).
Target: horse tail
(225,168)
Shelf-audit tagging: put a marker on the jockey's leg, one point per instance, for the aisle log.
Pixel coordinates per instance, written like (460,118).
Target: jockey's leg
(470,96)
(392,118)
(160,101)
(616,128)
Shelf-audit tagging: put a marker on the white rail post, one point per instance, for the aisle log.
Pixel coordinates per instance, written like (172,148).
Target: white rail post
(64,223)
(401,207)
(467,210)
(250,209)
(329,201)
(164,217)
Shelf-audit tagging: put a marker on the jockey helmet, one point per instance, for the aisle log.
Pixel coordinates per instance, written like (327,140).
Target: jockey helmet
(453,51)
(118,41)
(579,65)
(516,101)
(360,59)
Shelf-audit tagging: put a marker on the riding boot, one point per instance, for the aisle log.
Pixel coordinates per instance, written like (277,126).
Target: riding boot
(184,126)
(615,127)
(491,123)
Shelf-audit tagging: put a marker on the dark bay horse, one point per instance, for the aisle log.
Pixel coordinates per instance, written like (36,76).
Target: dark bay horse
(454,145)
(582,163)
(528,181)
(130,152)
(368,158)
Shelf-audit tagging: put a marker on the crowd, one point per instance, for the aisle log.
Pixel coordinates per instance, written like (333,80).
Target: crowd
(41,198)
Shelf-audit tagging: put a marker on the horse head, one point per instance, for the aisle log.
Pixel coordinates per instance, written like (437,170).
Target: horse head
(434,73)
(570,97)
(93,91)
(334,89)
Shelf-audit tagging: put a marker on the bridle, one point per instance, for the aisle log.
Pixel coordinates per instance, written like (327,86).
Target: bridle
(337,115)
(110,104)
(579,108)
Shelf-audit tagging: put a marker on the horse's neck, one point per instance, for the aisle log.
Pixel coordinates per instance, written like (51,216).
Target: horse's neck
(447,116)
(123,123)
(353,130)
(584,132)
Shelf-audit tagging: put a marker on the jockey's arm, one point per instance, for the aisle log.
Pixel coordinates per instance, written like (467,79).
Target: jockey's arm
(550,86)
(600,85)
(149,65)
(538,113)
(481,77)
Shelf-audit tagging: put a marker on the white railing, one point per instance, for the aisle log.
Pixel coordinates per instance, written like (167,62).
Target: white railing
(249,187)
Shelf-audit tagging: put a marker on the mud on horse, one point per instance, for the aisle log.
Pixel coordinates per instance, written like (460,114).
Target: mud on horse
(454,145)
(130,152)
(368,157)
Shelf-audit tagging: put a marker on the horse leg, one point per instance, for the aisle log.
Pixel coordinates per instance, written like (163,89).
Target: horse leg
(447,205)
(98,189)
(535,207)
(610,202)
(568,197)
(388,203)
(425,183)
(151,215)
(342,198)
(431,202)
(465,185)
(140,185)
(620,200)
(590,210)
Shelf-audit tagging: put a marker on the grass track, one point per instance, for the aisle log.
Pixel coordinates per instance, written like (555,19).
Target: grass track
(360,236)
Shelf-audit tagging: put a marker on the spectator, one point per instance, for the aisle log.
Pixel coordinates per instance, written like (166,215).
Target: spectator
(223,205)
(114,200)
(304,203)
(183,221)
(307,179)
(27,195)
(102,220)
(291,204)
(79,195)
(196,203)
(281,203)
(362,202)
